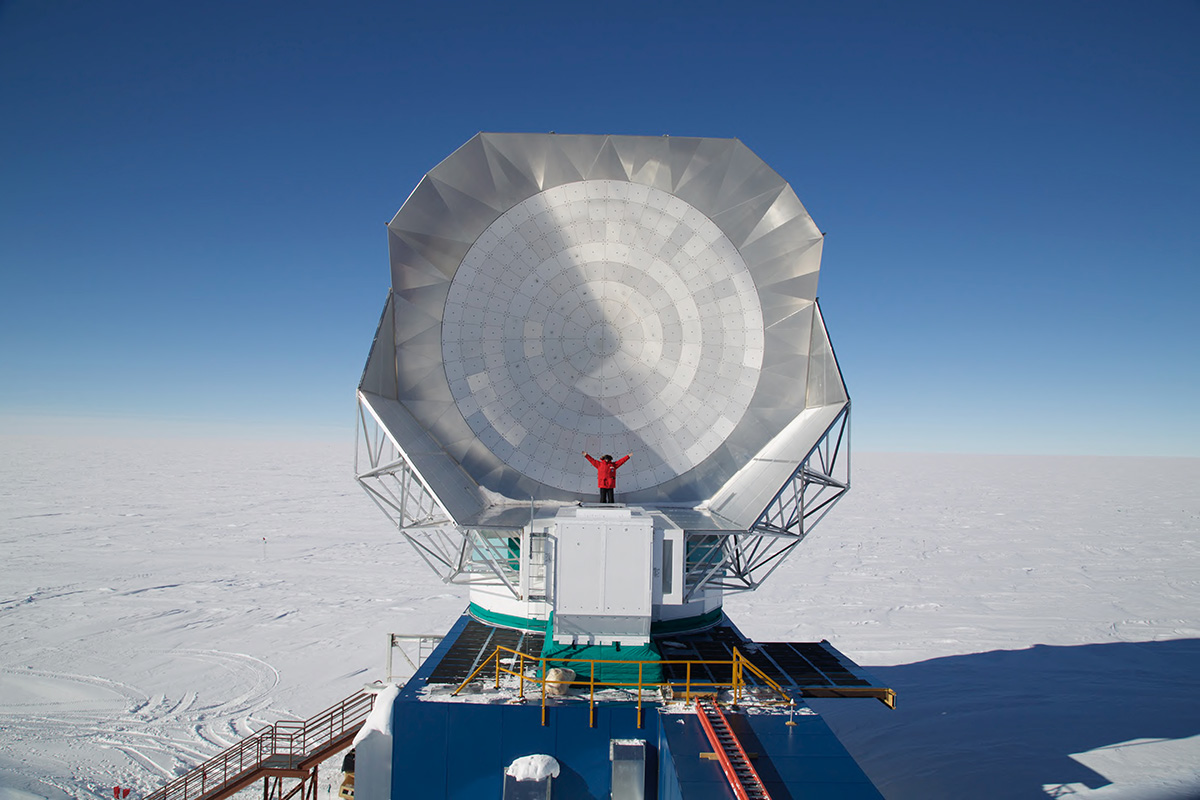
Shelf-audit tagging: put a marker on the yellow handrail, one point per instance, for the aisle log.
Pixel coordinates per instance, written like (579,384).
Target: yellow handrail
(745,662)
(737,683)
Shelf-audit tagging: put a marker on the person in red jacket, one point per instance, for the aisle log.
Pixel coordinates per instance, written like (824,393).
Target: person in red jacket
(606,474)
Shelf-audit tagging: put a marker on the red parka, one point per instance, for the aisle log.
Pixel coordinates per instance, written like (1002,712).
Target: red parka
(606,471)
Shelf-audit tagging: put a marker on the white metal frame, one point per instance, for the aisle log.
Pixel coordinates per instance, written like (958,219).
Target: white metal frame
(736,561)
(728,560)
(425,644)
(390,480)
(469,556)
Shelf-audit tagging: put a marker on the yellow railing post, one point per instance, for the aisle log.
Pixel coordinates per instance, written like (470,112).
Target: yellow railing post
(737,675)
(640,693)
(765,678)
(544,678)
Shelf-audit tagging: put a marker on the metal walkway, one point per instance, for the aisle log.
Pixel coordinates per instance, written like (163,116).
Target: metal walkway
(287,749)
(743,778)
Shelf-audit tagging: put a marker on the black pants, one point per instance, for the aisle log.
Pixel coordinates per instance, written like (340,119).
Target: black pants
(606,495)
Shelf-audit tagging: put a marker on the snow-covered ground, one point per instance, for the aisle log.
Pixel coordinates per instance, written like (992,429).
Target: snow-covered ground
(1039,617)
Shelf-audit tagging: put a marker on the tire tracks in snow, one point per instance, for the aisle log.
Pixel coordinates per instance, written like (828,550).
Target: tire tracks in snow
(148,738)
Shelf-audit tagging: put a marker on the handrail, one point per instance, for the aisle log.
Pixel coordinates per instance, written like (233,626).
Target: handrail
(747,663)
(737,683)
(287,745)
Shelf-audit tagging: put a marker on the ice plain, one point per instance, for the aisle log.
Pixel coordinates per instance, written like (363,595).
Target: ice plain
(1038,616)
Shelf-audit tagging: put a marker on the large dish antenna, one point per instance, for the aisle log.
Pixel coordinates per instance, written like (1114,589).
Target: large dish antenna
(558,293)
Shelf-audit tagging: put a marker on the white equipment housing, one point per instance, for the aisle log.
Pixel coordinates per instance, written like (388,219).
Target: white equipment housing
(605,576)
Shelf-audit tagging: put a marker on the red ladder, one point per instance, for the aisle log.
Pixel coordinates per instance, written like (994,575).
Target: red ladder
(734,762)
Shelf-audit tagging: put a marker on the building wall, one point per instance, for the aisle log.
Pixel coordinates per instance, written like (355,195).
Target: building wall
(460,750)
(801,760)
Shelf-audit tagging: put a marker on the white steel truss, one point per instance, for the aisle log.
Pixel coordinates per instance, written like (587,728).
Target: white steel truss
(389,479)
(468,556)
(736,561)
(728,560)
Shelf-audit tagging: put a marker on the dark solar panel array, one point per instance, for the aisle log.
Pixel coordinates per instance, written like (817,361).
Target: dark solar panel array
(787,663)
(805,664)
(714,644)
(790,664)
(478,641)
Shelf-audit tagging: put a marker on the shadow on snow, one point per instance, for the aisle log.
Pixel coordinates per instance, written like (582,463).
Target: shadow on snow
(1004,724)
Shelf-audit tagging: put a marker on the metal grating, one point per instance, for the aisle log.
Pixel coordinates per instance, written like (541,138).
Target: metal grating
(806,669)
(478,641)
(790,664)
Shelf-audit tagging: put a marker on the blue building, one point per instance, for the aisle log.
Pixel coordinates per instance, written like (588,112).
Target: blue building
(451,736)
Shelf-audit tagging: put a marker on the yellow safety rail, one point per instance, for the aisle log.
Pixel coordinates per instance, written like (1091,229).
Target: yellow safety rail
(739,665)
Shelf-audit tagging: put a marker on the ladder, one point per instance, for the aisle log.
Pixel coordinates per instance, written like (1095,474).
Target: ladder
(734,762)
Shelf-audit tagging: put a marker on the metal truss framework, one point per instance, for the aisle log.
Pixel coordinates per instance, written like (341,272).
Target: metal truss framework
(389,478)
(469,556)
(735,561)
(414,649)
(728,560)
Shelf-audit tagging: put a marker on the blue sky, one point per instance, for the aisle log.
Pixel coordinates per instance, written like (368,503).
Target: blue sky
(193,196)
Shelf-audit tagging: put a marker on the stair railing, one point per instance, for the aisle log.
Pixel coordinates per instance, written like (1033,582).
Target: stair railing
(286,745)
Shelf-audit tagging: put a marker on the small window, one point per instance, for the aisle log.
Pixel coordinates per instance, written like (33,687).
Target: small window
(668,573)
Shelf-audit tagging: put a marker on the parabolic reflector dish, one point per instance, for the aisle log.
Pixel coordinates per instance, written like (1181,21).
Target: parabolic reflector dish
(615,294)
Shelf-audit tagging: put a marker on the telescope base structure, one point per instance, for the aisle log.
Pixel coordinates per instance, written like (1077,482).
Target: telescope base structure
(485,698)
(595,575)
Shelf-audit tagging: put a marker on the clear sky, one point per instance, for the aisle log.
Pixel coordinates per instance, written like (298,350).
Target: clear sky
(193,195)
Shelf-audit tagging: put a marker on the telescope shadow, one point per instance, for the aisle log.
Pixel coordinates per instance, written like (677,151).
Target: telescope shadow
(1004,724)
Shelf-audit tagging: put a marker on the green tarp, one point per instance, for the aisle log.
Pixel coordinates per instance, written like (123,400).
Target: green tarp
(578,657)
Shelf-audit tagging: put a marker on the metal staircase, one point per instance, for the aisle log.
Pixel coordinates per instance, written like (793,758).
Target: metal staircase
(288,749)
(743,779)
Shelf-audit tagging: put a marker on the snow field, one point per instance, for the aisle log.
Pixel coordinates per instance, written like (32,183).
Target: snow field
(1038,617)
